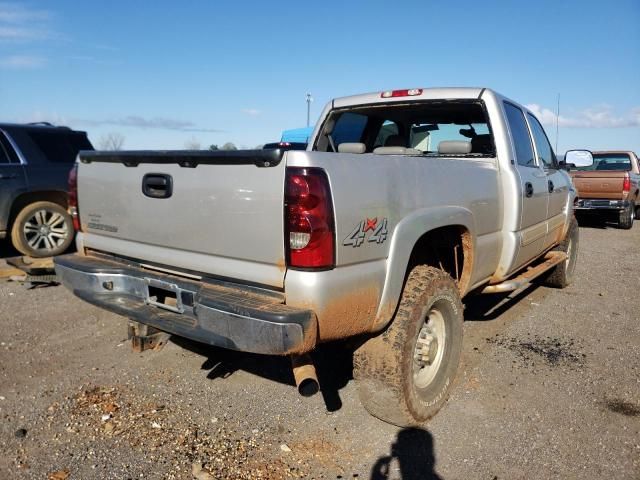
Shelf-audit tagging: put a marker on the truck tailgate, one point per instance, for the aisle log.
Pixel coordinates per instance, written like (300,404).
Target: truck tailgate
(599,184)
(223,216)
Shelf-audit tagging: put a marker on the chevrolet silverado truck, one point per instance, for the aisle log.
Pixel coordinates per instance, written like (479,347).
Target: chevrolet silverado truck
(610,186)
(404,202)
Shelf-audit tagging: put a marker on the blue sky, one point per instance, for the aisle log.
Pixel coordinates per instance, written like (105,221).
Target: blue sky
(165,74)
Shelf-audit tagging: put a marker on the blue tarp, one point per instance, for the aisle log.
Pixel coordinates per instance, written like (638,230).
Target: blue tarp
(297,135)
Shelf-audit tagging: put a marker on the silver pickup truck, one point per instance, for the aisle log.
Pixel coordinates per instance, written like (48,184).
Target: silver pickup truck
(404,202)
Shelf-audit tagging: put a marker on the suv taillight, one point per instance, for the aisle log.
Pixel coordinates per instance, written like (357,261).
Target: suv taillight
(73,197)
(308,218)
(626,183)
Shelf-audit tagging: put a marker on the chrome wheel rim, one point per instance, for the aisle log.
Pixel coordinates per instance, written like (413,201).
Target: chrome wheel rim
(46,230)
(569,252)
(429,349)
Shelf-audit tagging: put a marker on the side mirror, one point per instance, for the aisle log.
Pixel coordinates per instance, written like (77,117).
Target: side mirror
(578,158)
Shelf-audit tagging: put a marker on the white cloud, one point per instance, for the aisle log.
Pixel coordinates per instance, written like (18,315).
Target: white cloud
(15,13)
(254,112)
(138,121)
(22,62)
(599,116)
(22,24)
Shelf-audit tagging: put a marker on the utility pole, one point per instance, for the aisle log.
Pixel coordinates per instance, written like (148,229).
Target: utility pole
(309,99)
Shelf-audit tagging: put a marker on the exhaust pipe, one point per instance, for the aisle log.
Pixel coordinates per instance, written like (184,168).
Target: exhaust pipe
(305,375)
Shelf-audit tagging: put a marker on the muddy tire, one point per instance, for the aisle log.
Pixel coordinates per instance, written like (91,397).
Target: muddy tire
(405,373)
(627,216)
(562,274)
(42,229)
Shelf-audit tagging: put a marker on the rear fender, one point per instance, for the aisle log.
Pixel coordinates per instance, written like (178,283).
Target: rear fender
(405,236)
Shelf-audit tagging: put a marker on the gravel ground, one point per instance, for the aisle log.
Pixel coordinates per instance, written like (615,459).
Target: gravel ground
(549,388)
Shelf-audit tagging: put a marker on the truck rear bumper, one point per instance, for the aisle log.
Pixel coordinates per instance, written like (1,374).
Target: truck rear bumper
(599,204)
(214,312)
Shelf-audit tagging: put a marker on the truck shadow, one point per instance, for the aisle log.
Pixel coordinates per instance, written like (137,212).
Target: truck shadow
(333,361)
(412,455)
(334,366)
(600,222)
(483,307)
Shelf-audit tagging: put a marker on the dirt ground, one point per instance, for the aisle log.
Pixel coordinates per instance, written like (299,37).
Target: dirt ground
(549,387)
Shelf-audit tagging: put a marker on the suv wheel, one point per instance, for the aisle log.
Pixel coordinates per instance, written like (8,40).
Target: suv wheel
(405,373)
(42,229)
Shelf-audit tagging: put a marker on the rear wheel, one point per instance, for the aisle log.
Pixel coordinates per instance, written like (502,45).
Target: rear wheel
(562,274)
(42,229)
(627,216)
(405,373)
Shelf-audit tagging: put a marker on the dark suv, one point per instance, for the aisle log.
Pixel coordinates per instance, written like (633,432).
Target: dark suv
(35,160)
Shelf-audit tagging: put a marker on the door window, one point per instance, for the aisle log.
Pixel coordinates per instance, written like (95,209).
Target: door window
(545,152)
(387,129)
(520,136)
(349,128)
(7,154)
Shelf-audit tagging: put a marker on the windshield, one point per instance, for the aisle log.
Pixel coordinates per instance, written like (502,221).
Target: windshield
(608,161)
(421,126)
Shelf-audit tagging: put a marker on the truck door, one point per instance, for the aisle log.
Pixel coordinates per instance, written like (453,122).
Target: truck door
(12,179)
(534,189)
(557,183)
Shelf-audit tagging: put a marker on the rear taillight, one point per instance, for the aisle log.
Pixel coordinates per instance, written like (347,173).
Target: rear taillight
(626,183)
(73,197)
(309,234)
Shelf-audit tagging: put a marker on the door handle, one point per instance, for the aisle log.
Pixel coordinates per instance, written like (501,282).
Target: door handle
(551,187)
(157,185)
(528,189)
(8,176)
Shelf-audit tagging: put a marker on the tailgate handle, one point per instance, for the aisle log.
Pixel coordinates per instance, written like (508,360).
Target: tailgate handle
(157,185)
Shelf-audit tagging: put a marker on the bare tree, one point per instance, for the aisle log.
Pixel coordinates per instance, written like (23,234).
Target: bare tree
(228,146)
(111,141)
(192,144)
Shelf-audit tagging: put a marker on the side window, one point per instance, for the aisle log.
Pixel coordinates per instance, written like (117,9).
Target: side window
(387,129)
(520,135)
(545,152)
(349,128)
(7,154)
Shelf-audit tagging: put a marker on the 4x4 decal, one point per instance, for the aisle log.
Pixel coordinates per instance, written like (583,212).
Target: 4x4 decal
(359,234)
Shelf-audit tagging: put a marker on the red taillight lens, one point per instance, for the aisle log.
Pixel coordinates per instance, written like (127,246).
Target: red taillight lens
(308,217)
(626,183)
(73,197)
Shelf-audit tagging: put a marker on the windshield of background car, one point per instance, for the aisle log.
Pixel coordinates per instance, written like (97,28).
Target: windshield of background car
(609,161)
(418,125)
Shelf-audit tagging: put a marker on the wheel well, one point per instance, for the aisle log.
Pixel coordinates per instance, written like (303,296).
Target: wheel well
(447,248)
(31,197)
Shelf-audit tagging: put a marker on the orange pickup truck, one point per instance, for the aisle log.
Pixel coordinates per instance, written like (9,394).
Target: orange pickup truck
(609,186)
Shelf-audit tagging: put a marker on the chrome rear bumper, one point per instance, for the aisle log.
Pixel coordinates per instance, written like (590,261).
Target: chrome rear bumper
(214,312)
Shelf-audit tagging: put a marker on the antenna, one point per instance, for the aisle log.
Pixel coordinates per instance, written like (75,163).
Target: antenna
(557,120)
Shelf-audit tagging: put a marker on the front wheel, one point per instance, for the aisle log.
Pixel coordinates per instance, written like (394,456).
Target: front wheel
(627,216)
(42,229)
(405,373)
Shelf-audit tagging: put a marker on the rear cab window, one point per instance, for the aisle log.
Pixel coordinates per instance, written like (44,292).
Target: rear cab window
(420,126)
(609,162)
